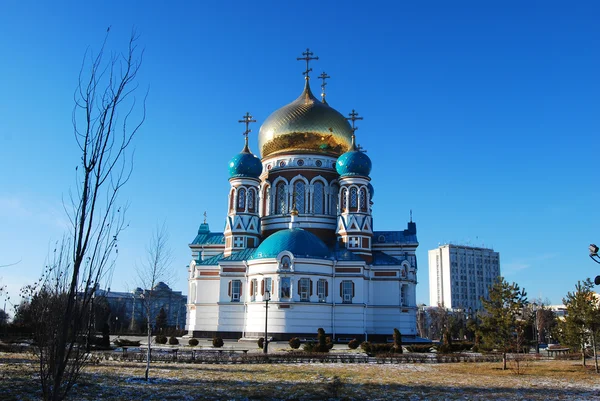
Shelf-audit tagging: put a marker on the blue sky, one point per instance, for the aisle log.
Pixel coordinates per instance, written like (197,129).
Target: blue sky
(481,117)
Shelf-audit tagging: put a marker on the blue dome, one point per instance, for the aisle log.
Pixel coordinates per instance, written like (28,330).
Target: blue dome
(353,162)
(245,164)
(301,243)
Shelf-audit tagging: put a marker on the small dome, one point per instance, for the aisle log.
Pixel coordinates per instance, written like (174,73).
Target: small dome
(353,162)
(305,125)
(245,164)
(301,243)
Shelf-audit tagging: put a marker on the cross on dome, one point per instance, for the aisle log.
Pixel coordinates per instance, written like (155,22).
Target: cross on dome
(323,77)
(307,57)
(247,119)
(353,117)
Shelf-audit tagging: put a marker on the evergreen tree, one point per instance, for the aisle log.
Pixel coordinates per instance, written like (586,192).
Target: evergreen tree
(501,326)
(161,319)
(582,321)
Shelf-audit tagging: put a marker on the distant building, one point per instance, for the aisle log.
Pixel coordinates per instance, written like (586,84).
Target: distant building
(460,275)
(128,311)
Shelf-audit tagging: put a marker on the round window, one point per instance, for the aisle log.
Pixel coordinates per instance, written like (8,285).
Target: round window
(281,164)
(300,162)
(319,163)
(269,167)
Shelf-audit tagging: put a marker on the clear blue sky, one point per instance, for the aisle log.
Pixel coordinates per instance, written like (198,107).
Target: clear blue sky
(481,117)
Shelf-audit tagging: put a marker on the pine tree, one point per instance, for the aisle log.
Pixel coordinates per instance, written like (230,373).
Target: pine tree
(582,321)
(501,323)
(161,319)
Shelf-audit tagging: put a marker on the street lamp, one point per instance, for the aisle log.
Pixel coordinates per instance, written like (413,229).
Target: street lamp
(267,298)
(594,256)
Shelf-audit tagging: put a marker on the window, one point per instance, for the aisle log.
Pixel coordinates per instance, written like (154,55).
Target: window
(286,262)
(300,162)
(347,291)
(299,196)
(266,285)
(318,198)
(344,195)
(362,200)
(285,287)
(251,200)
(304,289)
(235,290)
(241,199)
(322,290)
(253,289)
(403,295)
(353,198)
(318,163)
(281,206)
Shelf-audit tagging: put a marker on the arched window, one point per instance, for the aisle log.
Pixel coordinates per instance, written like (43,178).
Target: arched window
(319,198)
(335,193)
(281,204)
(362,200)
(231,199)
(251,206)
(343,201)
(241,199)
(299,196)
(353,198)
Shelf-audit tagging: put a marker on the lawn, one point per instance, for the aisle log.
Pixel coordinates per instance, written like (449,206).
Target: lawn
(114,380)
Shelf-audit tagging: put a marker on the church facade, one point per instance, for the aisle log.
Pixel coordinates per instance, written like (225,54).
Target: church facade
(299,233)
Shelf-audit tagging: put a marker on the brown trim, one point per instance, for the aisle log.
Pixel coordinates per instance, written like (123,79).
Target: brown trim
(385,274)
(209,273)
(285,306)
(234,269)
(347,269)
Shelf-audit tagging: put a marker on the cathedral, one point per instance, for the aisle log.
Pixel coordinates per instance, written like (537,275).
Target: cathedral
(299,236)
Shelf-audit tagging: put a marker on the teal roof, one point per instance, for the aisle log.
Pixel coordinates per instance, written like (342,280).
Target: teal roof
(212,261)
(245,164)
(301,243)
(244,254)
(209,239)
(346,255)
(380,258)
(353,162)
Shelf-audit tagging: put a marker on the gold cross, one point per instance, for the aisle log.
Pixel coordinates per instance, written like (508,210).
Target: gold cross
(307,56)
(205,217)
(323,77)
(247,119)
(353,117)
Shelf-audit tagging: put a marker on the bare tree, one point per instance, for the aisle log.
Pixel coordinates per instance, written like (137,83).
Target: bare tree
(157,268)
(104,106)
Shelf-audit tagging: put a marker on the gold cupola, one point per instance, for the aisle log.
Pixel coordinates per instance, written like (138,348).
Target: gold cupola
(306,125)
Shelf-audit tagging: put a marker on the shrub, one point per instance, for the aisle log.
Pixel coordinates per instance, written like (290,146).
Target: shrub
(353,344)
(160,339)
(261,343)
(294,343)
(421,348)
(123,342)
(193,342)
(323,344)
(329,343)
(366,346)
(309,347)
(217,342)
(173,340)
(397,341)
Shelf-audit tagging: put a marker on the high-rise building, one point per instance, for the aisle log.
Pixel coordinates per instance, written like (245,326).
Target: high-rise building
(460,275)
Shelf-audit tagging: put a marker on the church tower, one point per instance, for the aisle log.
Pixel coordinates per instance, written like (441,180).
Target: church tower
(355,223)
(242,229)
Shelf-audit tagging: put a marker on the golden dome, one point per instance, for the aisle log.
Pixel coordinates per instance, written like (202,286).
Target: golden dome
(305,126)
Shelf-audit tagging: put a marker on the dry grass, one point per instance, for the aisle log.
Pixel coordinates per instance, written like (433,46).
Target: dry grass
(112,380)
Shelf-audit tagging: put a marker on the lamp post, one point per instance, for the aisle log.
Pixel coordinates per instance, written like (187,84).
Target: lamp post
(594,256)
(267,298)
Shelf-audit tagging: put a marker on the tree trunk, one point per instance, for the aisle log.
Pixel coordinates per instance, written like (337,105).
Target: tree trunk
(595,352)
(504,361)
(148,351)
(583,354)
